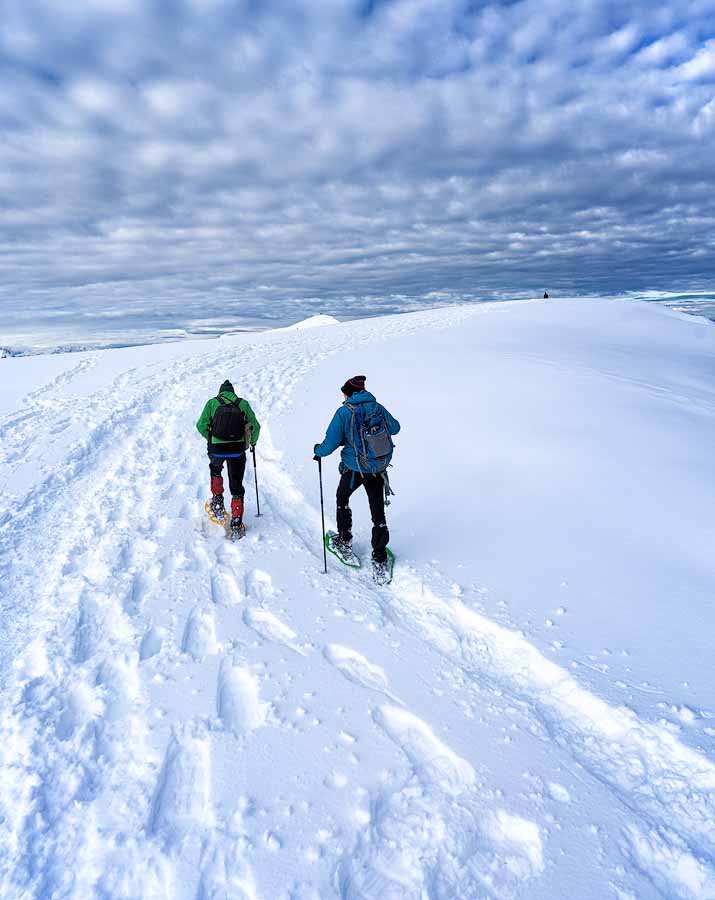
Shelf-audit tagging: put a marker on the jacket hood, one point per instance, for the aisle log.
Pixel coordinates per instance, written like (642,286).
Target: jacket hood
(361,397)
(228,395)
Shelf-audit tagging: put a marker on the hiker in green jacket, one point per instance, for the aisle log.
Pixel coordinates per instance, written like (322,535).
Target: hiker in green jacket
(230,427)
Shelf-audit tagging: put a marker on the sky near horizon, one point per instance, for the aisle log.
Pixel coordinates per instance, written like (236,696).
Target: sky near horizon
(195,157)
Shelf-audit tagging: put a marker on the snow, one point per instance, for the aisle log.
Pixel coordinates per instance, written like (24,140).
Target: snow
(526,711)
(314,322)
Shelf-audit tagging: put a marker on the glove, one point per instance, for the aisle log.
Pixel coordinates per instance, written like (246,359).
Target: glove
(316,458)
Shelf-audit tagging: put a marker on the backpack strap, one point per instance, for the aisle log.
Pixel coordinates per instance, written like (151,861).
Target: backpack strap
(221,402)
(351,433)
(224,402)
(362,424)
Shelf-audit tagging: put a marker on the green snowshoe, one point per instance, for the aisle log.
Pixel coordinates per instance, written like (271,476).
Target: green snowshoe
(342,550)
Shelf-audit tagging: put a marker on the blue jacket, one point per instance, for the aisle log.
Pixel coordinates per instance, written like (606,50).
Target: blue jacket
(338,430)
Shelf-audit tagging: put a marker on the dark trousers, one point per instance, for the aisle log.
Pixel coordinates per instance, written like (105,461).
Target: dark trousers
(236,468)
(375,487)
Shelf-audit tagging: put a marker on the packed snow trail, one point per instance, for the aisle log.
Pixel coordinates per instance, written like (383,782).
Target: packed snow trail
(186,717)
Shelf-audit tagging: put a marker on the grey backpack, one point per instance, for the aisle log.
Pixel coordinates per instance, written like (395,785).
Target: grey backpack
(370,438)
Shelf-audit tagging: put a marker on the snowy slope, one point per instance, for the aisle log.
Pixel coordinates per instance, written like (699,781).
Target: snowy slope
(528,711)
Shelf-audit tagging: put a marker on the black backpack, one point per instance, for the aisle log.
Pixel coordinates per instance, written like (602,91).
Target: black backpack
(229,421)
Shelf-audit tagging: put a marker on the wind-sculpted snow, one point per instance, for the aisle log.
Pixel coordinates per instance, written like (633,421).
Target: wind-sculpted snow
(185,717)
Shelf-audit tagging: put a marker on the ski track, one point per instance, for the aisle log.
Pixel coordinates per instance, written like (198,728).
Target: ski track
(91,806)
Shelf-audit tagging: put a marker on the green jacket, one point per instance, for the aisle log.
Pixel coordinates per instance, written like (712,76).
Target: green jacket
(209,410)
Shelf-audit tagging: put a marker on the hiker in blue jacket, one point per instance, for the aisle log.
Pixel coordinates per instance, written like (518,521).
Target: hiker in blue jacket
(358,468)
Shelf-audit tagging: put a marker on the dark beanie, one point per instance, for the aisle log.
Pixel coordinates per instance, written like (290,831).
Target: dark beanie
(353,385)
(226,386)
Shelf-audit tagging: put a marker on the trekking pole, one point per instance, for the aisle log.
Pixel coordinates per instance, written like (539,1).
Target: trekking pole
(255,475)
(322,514)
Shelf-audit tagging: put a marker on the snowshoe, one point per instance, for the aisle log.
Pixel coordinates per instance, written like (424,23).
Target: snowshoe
(236,529)
(215,510)
(382,570)
(342,549)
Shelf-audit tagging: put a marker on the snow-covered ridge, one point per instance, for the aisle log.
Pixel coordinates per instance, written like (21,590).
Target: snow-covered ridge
(47,347)
(525,712)
(42,337)
(314,322)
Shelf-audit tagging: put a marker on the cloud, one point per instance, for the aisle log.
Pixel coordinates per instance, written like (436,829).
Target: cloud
(664,49)
(702,64)
(263,159)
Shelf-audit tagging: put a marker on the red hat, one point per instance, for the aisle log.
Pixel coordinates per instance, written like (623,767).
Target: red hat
(353,385)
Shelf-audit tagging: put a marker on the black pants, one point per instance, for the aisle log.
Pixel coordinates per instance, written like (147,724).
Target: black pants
(236,466)
(375,487)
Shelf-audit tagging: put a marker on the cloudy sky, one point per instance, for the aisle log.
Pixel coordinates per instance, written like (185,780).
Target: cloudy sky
(191,158)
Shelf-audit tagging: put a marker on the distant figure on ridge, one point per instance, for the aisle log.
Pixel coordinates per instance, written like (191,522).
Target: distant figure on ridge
(363,428)
(546,296)
(230,427)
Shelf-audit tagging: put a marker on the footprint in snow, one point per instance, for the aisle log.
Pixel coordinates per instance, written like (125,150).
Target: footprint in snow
(238,701)
(225,873)
(674,870)
(171,564)
(200,634)
(356,668)
(224,588)
(119,678)
(270,627)
(432,760)
(142,584)
(199,556)
(136,870)
(151,642)
(182,800)
(89,629)
(100,618)
(436,835)
(259,585)
(81,705)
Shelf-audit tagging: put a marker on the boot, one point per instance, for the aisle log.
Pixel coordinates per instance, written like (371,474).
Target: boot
(236,512)
(382,570)
(216,504)
(343,545)
(238,529)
